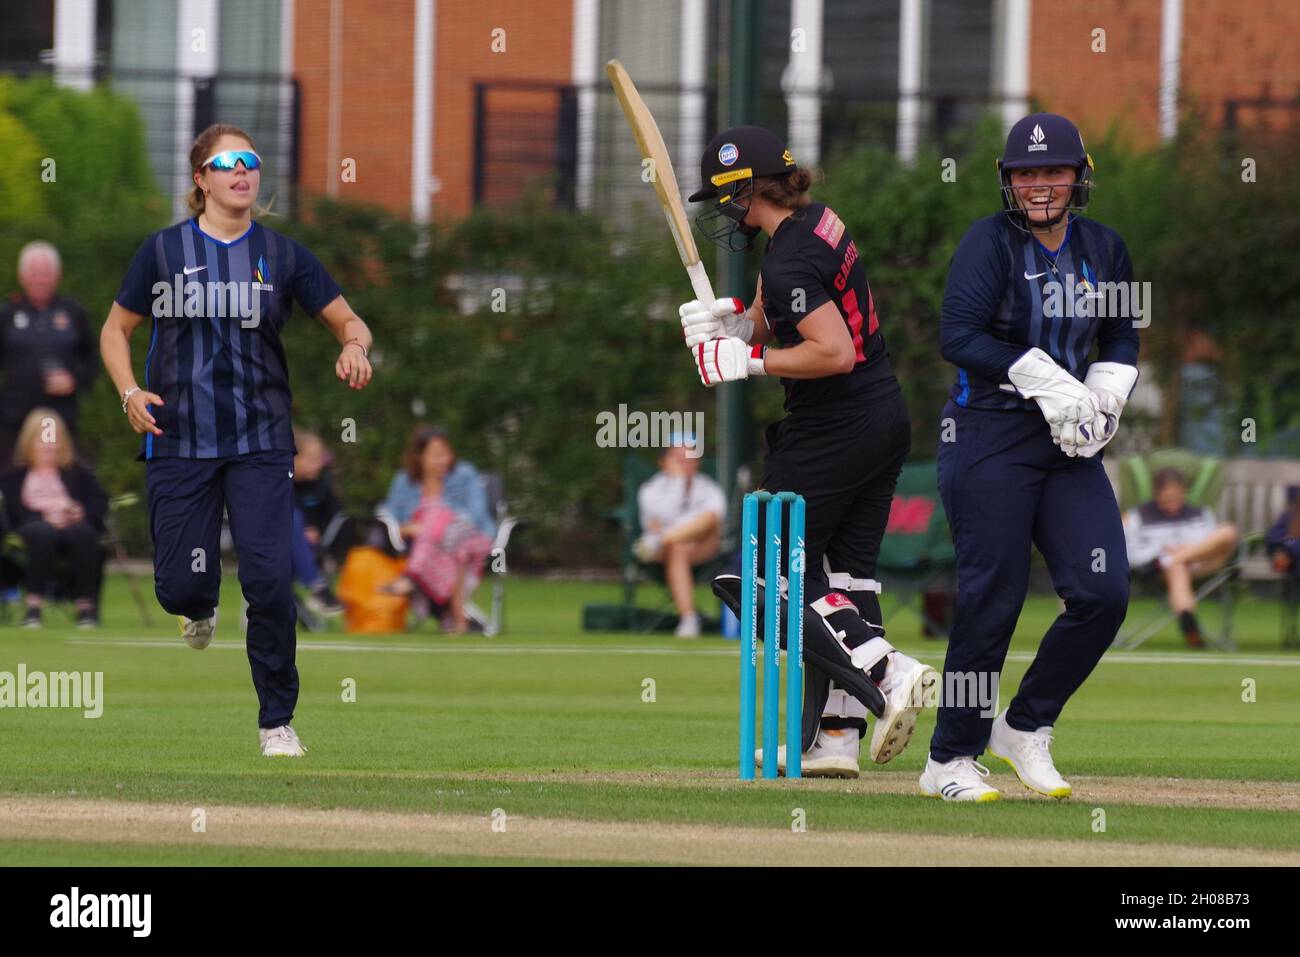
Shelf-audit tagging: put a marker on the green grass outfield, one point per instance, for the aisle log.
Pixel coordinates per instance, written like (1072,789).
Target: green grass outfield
(549,724)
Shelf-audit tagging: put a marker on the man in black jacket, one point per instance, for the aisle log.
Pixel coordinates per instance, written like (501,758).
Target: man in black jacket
(47,350)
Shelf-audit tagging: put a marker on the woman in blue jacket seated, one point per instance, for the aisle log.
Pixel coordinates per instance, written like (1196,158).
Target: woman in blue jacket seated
(440,505)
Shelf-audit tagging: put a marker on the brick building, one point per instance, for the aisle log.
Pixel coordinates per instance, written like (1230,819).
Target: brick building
(431,106)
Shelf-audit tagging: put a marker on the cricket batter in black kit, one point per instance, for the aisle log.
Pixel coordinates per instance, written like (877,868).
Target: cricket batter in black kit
(215,408)
(841,445)
(1031,291)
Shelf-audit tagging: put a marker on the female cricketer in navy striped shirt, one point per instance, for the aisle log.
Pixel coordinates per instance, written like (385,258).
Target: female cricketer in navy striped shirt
(1032,292)
(215,407)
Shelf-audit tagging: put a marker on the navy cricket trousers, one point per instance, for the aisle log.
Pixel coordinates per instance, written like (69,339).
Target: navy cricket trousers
(186,498)
(1006,487)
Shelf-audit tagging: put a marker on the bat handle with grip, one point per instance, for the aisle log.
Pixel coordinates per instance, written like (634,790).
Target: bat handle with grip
(700,283)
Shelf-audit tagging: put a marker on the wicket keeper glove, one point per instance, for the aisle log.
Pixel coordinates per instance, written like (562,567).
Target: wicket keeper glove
(1068,405)
(1112,383)
(725,318)
(727,360)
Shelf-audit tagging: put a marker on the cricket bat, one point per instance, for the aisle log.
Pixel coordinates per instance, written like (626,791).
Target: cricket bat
(651,143)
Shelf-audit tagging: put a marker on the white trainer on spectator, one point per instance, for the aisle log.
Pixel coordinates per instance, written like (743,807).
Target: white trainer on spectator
(688,626)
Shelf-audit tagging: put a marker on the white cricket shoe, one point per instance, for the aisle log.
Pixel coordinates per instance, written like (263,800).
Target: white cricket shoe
(1030,755)
(281,742)
(198,633)
(908,686)
(961,779)
(833,755)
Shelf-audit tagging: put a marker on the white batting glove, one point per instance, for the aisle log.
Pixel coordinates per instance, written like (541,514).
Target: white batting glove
(724,318)
(728,360)
(1068,405)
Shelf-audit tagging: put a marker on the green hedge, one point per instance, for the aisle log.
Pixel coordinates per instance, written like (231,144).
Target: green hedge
(589,319)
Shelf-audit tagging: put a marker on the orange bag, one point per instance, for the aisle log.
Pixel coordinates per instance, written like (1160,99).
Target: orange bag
(366,611)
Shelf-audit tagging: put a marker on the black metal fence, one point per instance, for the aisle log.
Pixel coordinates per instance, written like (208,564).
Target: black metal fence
(527,134)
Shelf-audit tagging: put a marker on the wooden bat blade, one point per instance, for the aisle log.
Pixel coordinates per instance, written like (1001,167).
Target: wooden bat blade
(651,143)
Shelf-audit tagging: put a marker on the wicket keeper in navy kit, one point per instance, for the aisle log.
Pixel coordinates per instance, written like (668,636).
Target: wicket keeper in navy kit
(1029,416)
(215,408)
(841,445)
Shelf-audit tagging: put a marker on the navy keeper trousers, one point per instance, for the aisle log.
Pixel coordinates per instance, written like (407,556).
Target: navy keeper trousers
(1007,488)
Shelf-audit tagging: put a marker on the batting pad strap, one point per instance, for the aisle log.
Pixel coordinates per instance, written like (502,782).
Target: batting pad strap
(841,704)
(843,581)
(869,655)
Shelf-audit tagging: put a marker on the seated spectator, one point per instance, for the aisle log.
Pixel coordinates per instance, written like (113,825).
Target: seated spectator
(313,497)
(681,518)
(446,527)
(1168,538)
(1283,540)
(462,488)
(57,507)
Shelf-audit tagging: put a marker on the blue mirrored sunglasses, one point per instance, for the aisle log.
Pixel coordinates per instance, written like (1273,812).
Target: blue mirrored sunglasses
(227,159)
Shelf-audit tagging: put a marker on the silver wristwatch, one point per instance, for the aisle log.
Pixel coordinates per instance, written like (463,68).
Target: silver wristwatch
(127,395)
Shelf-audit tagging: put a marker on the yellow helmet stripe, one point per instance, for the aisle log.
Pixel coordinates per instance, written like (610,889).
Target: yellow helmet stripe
(731,176)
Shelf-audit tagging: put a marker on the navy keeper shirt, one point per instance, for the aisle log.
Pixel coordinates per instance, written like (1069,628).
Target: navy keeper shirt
(215,354)
(1006,294)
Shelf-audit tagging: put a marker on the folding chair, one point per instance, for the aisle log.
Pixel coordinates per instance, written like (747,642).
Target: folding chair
(1205,481)
(492,621)
(629,616)
(917,553)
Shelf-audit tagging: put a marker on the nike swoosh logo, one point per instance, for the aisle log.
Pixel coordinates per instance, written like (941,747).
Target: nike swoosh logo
(189,271)
(1035,275)
(290,475)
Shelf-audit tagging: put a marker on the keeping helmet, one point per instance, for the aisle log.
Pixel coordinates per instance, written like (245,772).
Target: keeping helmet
(732,160)
(1044,139)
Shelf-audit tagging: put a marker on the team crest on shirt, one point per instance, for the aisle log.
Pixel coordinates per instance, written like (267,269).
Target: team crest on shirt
(20,320)
(1089,281)
(261,274)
